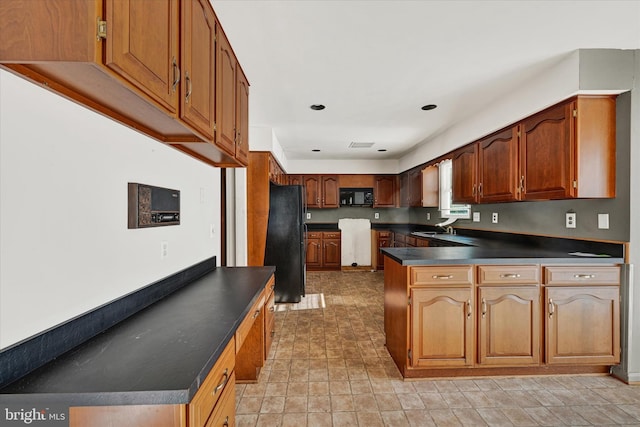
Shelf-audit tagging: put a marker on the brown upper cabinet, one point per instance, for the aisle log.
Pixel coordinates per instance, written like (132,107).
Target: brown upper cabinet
(411,188)
(151,66)
(384,191)
(198,64)
(430,186)
(498,167)
(566,151)
(242,119)
(464,162)
(322,191)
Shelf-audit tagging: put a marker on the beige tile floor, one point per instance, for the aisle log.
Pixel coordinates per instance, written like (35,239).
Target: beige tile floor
(329,367)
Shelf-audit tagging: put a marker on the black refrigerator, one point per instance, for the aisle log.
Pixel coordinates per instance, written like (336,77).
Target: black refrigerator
(285,247)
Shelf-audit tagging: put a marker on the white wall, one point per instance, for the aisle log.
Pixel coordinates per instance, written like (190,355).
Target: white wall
(64,246)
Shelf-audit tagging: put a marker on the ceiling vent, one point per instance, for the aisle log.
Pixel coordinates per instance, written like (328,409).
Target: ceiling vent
(361,144)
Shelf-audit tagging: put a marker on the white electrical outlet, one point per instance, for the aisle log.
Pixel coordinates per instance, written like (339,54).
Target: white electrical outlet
(603,221)
(376,215)
(164,249)
(428,216)
(476,217)
(308,215)
(570,220)
(494,217)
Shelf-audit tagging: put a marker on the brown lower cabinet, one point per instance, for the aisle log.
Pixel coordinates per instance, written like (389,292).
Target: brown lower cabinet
(323,250)
(452,320)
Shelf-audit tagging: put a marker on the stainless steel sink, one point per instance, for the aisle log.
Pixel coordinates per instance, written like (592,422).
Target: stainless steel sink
(425,233)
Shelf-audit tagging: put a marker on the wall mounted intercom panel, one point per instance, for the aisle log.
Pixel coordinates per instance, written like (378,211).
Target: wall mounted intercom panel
(151,206)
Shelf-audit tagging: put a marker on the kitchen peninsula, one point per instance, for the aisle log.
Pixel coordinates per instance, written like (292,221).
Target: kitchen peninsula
(502,307)
(173,363)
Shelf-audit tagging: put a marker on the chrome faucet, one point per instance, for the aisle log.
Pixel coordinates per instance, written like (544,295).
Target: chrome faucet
(450,230)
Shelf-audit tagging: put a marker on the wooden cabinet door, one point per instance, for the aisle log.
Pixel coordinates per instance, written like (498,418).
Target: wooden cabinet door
(331,253)
(242,123)
(415,187)
(269,318)
(405,191)
(295,180)
(198,60)
(330,191)
(509,325)
(142,47)
(441,327)
(382,243)
(498,177)
(464,174)
(313,190)
(314,253)
(384,191)
(430,187)
(546,155)
(582,325)
(226,65)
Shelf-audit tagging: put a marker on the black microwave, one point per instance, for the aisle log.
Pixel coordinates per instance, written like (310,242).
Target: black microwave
(356,197)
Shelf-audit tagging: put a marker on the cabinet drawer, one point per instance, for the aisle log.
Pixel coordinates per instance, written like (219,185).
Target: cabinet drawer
(384,234)
(245,327)
(410,241)
(314,234)
(508,274)
(582,275)
(330,235)
(442,275)
(219,378)
(224,413)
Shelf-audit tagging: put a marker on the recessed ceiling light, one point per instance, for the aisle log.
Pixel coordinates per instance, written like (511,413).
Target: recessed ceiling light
(382,150)
(429,107)
(317,107)
(316,150)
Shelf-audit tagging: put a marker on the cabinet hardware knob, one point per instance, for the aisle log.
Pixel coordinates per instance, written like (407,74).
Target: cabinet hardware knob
(225,379)
(522,183)
(256,314)
(484,307)
(272,309)
(551,307)
(226,422)
(584,276)
(468,309)
(442,276)
(480,189)
(510,276)
(273,333)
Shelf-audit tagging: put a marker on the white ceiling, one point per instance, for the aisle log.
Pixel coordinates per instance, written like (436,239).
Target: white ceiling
(375,63)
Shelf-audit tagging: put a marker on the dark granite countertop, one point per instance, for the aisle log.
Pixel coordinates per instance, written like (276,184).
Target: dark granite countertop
(525,249)
(160,355)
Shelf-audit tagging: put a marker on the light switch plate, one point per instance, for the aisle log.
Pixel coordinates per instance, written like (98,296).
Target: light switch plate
(603,221)
(308,215)
(476,217)
(376,215)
